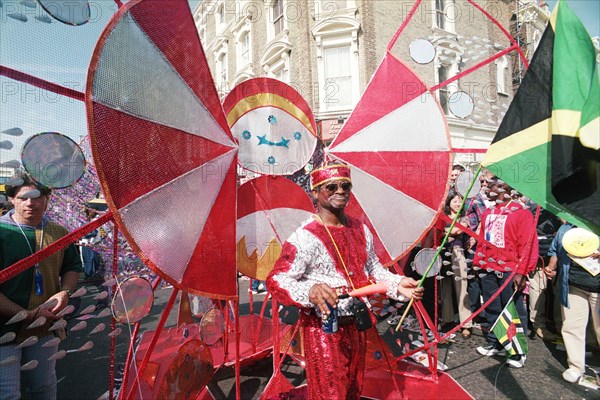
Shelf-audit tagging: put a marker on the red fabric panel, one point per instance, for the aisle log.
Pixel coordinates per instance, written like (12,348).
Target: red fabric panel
(172,29)
(149,156)
(392,86)
(270,192)
(258,89)
(335,363)
(420,175)
(351,243)
(212,268)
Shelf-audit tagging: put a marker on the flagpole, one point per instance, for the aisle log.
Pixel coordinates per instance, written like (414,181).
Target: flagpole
(441,246)
(504,309)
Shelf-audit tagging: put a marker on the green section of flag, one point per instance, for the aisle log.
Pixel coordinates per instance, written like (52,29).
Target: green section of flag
(539,148)
(575,83)
(529,172)
(509,331)
(575,157)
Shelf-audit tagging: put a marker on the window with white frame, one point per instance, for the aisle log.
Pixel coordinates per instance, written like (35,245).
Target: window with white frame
(444,14)
(221,14)
(282,74)
(443,92)
(501,67)
(338,77)
(440,14)
(337,65)
(275,61)
(244,46)
(326,9)
(221,70)
(277,17)
(332,5)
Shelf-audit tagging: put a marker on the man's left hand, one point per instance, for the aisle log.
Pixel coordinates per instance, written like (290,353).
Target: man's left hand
(408,288)
(61,299)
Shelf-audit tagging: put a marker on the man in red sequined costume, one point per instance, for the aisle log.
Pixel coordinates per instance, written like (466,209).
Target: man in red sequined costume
(330,254)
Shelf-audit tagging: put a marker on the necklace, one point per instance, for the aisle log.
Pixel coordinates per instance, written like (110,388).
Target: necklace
(38,278)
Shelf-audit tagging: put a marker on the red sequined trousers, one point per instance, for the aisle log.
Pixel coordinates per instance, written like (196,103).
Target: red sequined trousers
(335,362)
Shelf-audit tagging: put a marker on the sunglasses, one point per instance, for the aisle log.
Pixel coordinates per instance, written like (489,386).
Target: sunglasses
(333,187)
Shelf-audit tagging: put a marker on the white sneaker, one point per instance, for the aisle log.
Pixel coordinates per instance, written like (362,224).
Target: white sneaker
(490,350)
(571,375)
(517,361)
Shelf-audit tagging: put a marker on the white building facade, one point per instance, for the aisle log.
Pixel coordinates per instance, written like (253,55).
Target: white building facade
(329,49)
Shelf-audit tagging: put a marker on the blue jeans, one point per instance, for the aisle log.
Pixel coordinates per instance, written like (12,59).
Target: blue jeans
(91,261)
(38,383)
(255,283)
(490,283)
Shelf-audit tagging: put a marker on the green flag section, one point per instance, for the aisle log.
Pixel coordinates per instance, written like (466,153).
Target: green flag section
(547,144)
(509,330)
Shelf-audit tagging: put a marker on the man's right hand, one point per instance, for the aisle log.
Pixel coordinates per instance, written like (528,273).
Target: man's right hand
(549,272)
(41,311)
(320,295)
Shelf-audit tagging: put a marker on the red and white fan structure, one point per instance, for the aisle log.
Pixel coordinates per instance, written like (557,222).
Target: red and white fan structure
(162,147)
(166,158)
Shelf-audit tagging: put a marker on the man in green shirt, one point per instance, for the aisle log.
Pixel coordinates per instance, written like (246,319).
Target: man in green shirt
(36,295)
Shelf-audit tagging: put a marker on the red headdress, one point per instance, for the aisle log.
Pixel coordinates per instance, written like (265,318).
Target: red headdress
(337,171)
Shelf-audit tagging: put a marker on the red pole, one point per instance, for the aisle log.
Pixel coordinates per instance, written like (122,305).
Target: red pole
(275,334)
(132,340)
(113,322)
(159,328)
(238,392)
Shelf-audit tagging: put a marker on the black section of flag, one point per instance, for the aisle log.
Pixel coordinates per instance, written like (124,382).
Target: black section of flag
(576,177)
(533,102)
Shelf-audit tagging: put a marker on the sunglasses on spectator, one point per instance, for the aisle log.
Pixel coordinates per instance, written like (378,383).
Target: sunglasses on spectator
(333,187)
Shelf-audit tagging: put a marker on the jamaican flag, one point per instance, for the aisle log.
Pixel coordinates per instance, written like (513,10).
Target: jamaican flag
(547,146)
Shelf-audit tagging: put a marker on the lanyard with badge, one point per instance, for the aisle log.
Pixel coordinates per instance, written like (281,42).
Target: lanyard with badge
(38,278)
(492,224)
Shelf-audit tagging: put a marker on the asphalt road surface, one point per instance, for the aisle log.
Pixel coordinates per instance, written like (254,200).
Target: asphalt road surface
(85,374)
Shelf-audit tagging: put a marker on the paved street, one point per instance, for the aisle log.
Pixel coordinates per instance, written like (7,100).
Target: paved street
(84,375)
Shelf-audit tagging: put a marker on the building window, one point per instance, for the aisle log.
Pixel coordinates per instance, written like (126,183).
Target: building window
(221,14)
(244,44)
(278,19)
(282,74)
(338,77)
(327,9)
(443,71)
(501,67)
(444,14)
(440,14)
(221,77)
(537,36)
